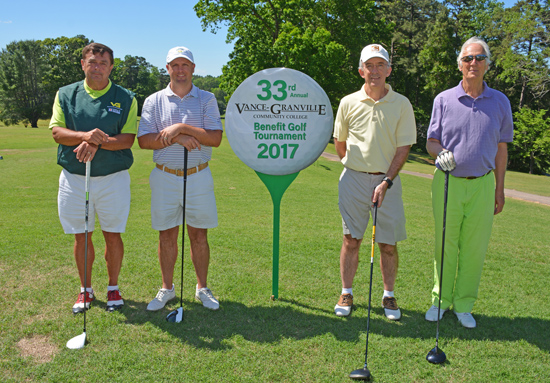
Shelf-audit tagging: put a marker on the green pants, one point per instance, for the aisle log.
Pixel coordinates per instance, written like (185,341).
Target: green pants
(470,210)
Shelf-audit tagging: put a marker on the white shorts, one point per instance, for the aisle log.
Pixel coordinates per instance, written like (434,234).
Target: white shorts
(109,199)
(167,200)
(355,202)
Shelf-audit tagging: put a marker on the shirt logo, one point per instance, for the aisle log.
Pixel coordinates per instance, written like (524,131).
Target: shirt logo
(114,108)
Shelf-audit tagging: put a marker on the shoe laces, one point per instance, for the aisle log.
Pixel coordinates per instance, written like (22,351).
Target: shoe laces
(346,299)
(390,303)
(161,294)
(206,291)
(113,295)
(80,298)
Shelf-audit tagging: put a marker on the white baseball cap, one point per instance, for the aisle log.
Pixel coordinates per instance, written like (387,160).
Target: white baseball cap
(176,52)
(374,50)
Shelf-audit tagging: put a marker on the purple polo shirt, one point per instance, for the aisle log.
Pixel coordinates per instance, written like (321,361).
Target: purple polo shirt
(471,128)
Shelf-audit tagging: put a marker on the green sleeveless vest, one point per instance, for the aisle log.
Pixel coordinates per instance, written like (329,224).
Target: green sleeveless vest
(83,113)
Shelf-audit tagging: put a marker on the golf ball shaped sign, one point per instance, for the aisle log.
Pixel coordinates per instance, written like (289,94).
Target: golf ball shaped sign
(278,121)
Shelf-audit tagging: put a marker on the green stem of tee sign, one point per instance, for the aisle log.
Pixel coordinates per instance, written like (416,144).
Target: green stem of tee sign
(277,186)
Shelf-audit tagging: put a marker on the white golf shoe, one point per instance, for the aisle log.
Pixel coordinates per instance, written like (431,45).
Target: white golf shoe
(344,305)
(162,298)
(431,314)
(205,296)
(466,319)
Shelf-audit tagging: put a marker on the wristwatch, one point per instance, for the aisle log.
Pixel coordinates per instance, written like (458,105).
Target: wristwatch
(388,181)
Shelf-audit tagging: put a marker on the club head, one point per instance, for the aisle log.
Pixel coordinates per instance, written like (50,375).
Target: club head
(360,374)
(77,342)
(175,316)
(436,356)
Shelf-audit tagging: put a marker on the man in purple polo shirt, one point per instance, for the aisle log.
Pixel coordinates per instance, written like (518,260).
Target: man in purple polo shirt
(468,134)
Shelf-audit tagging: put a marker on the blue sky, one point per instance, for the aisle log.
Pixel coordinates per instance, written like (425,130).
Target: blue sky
(138,28)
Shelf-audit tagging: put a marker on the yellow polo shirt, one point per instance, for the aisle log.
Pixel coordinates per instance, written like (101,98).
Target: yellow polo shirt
(373,130)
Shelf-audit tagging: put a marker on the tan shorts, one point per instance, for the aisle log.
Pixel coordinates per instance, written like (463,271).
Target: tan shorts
(109,199)
(355,191)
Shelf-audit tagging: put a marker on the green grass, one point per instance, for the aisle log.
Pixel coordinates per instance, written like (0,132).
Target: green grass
(251,338)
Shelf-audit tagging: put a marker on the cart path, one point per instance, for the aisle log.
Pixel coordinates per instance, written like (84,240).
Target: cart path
(507,192)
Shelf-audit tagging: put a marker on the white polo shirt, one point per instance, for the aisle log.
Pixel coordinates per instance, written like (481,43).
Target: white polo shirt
(164,108)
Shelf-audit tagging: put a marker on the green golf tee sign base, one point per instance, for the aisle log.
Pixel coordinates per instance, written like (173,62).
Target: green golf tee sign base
(277,186)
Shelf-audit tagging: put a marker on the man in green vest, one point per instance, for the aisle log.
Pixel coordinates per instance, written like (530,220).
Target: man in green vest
(95,120)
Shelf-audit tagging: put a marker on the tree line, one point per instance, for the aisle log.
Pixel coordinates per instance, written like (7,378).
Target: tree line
(31,72)
(323,38)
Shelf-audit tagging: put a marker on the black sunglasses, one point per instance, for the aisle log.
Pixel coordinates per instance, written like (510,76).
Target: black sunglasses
(470,58)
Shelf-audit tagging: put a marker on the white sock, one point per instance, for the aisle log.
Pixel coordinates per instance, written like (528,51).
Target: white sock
(88,289)
(112,288)
(347,291)
(388,294)
(172,289)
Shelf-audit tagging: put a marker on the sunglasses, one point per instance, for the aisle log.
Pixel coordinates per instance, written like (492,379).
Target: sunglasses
(470,58)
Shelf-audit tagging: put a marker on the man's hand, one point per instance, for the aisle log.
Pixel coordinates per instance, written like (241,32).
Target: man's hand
(169,134)
(85,152)
(189,142)
(446,160)
(95,137)
(379,193)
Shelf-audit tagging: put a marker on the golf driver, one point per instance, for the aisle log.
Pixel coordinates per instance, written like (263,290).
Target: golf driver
(80,340)
(436,355)
(177,315)
(364,373)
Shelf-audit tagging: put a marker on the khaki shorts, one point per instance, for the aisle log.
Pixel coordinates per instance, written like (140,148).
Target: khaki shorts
(109,198)
(355,191)
(167,200)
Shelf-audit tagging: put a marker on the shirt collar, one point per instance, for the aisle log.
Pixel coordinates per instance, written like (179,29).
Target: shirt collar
(387,97)
(460,92)
(193,93)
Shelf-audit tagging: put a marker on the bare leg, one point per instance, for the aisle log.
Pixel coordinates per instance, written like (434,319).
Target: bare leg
(114,252)
(349,259)
(200,253)
(79,244)
(168,254)
(389,261)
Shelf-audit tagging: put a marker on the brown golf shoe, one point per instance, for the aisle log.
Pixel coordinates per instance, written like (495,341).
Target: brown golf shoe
(391,310)
(344,305)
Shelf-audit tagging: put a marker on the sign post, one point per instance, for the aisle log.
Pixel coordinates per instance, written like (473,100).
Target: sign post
(278,122)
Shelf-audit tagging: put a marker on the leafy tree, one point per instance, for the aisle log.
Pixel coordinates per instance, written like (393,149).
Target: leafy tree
(23,96)
(520,37)
(63,58)
(212,84)
(136,74)
(320,38)
(531,147)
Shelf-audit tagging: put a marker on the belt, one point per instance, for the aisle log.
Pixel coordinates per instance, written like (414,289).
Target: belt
(375,174)
(180,173)
(473,178)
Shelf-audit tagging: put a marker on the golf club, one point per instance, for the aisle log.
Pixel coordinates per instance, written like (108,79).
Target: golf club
(177,315)
(364,373)
(80,341)
(436,355)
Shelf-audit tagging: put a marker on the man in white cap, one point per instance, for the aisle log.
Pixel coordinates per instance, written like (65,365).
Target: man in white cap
(373,132)
(177,117)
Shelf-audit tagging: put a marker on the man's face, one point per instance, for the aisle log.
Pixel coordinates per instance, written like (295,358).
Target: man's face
(97,67)
(375,71)
(473,69)
(180,70)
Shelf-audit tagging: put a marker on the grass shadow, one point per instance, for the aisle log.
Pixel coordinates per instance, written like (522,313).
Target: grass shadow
(282,319)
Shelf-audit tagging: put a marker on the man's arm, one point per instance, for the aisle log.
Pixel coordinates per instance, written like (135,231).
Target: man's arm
(433,147)
(340,147)
(501,160)
(401,155)
(206,137)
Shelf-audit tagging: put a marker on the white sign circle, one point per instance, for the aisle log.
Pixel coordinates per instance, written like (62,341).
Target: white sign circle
(278,121)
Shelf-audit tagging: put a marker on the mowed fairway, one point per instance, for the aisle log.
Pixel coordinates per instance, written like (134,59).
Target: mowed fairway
(251,338)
